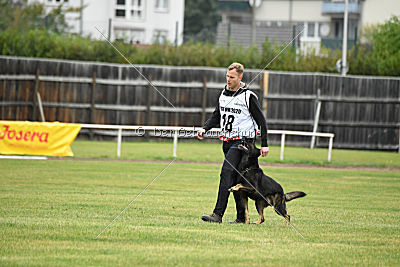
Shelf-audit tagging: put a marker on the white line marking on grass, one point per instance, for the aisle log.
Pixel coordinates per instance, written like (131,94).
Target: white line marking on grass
(23,157)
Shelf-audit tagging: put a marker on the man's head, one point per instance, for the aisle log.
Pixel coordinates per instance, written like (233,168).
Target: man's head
(234,76)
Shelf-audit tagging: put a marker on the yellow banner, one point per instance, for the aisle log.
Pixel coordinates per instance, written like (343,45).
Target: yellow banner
(37,138)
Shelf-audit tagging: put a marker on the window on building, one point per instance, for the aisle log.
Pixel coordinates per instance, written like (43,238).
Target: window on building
(337,29)
(119,35)
(136,2)
(162,5)
(136,14)
(120,13)
(137,9)
(311,30)
(137,36)
(160,37)
(130,35)
(121,2)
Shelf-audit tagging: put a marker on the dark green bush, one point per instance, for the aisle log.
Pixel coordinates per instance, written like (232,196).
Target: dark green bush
(381,58)
(382,55)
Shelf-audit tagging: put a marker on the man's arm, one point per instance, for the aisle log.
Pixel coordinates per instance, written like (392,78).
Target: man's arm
(212,122)
(257,114)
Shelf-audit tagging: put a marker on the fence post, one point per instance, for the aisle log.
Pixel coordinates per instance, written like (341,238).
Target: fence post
(118,120)
(93,100)
(119,142)
(176,114)
(148,104)
(175,143)
(265,93)
(228,42)
(316,117)
(330,149)
(399,125)
(39,102)
(204,104)
(3,107)
(282,146)
(34,113)
(399,140)
(92,104)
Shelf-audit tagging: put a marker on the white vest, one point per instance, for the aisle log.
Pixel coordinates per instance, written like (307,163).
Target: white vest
(236,120)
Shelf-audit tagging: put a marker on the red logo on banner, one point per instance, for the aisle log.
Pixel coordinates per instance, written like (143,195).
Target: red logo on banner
(27,136)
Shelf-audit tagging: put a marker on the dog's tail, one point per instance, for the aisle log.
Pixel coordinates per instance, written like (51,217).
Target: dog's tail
(293,195)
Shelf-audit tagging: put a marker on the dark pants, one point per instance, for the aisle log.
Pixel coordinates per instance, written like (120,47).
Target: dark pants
(229,178)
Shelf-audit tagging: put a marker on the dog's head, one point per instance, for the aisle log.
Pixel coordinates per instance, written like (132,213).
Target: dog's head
(249,148)
(250,154)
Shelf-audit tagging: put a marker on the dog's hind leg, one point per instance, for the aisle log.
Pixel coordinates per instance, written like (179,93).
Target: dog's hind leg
(260,205)
(280,208)
(287,217)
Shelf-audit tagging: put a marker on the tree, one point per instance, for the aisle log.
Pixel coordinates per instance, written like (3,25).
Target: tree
(21,16)
(201,20)
(386,46)
(380,55)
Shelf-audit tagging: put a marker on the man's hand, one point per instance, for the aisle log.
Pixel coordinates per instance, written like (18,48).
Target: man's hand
(200,134)
(264,151)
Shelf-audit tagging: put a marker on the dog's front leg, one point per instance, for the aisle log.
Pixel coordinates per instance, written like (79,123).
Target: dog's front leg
(236,187)
(245,204)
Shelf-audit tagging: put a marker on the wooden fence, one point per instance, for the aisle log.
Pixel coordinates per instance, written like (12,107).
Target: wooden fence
(363,112)
(108,94)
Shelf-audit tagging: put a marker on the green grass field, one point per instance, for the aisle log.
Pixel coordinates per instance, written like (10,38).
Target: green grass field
(52,211)
(212,152)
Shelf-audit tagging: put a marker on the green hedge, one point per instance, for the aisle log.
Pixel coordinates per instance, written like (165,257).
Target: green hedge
(42,43)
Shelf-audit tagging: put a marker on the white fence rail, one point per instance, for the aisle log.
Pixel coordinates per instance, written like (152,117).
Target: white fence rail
(185,132)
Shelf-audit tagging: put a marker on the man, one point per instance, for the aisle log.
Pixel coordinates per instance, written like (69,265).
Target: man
(237,113)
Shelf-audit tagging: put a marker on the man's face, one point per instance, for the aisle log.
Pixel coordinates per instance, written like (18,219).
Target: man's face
(233,79)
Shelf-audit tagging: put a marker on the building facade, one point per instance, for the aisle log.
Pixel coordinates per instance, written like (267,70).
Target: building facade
(135,21)
(280,20)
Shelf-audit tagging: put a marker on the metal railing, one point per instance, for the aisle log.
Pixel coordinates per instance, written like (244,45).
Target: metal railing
(176,132)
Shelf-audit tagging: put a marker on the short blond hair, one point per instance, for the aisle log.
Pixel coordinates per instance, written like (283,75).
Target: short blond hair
(238,67)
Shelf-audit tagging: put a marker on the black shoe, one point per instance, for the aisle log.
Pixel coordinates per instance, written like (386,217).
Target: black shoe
(237,221)
(215,218)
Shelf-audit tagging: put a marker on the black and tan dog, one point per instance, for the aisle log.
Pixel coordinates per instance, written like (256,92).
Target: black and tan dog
(271,192)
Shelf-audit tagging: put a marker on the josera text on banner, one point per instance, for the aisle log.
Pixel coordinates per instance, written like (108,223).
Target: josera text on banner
(37,138)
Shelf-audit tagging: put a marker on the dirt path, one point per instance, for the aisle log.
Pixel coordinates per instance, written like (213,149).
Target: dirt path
(274,165)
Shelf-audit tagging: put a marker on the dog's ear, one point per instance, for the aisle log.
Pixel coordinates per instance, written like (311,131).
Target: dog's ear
(254,152)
